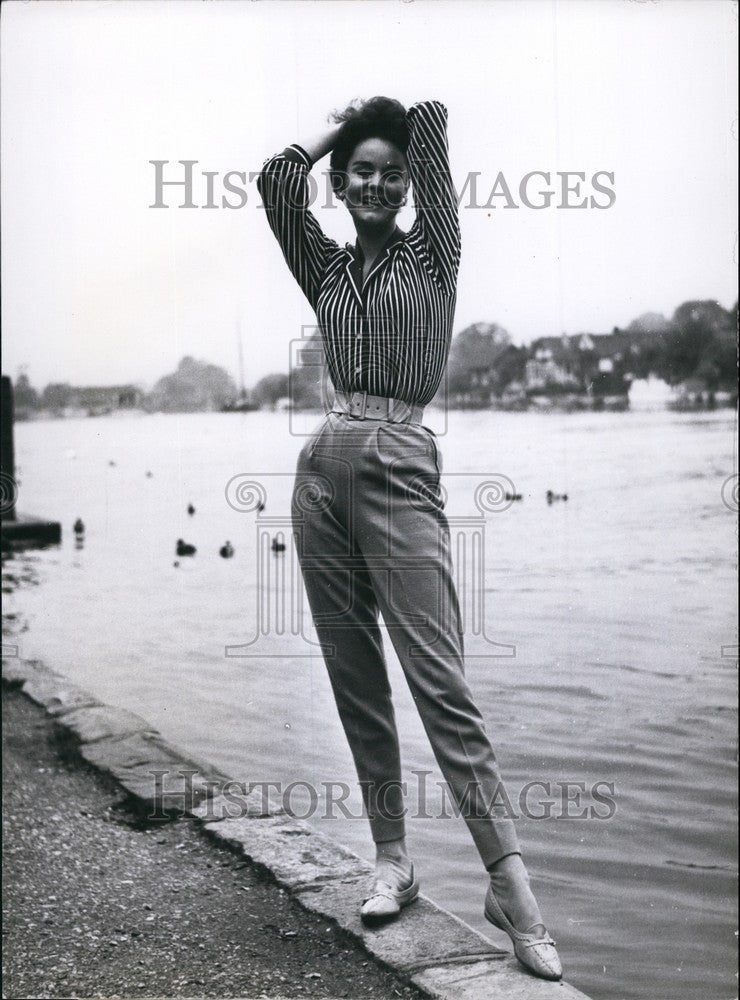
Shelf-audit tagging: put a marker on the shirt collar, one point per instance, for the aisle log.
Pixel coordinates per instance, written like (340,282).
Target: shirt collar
(397,236)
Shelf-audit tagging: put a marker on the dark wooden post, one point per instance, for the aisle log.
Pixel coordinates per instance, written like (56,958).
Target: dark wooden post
(7,451)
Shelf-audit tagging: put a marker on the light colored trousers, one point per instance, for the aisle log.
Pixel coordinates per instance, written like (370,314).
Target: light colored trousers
(371,535)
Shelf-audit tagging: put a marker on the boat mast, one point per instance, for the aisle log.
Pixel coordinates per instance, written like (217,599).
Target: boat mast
(242,387)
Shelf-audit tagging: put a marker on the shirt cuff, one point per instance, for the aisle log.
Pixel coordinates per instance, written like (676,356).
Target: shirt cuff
(296,154)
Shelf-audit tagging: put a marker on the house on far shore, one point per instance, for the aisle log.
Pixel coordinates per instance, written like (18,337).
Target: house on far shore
(553,365)
(95,401)
(597,364)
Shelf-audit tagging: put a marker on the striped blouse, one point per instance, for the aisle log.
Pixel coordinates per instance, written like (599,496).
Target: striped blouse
(391,334)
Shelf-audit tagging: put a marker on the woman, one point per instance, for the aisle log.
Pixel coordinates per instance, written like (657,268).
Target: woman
(368,514)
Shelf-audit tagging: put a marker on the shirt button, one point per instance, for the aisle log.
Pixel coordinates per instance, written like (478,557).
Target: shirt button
(358,370)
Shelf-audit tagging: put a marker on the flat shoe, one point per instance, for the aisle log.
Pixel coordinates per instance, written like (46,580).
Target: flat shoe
(535,951)
(384,902)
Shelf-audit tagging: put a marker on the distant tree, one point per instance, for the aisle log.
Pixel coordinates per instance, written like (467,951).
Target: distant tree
(509,366)
(195,385)
(718,363)
(479,346)
(269,389)
(702,343)
(56,396)
(649,323)
(307,385)
(25,396)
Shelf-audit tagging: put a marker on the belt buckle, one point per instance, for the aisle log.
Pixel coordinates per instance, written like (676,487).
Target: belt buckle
(363,393)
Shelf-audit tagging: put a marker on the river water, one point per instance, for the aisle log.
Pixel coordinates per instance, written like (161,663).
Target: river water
(618,605)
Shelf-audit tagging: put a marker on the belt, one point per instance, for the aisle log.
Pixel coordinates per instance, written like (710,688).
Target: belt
(363,406)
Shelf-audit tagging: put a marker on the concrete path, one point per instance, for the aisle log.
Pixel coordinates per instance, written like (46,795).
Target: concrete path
(426,952)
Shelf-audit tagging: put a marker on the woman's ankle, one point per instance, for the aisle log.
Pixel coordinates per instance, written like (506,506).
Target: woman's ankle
(510,884)
(393,849)
(509,868)
(392,863)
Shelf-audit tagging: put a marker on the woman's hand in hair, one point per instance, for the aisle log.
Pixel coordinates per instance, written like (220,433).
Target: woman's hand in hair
(319,145)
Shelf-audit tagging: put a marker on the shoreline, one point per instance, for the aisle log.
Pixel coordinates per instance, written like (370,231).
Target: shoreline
(555,405)
(428,949)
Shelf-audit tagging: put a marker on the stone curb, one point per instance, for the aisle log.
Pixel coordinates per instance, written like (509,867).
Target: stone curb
(428,946)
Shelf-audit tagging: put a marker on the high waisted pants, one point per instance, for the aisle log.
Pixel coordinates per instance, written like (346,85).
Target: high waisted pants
(371,535)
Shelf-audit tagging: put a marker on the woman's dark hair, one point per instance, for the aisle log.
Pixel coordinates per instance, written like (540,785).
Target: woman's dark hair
(377,118)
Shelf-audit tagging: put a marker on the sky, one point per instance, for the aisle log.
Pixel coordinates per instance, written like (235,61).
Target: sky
(100,288)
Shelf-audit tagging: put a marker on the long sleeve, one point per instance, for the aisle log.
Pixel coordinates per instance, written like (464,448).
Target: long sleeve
(434,195)
(284,188)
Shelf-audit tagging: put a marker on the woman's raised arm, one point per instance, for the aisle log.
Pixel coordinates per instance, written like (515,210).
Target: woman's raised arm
(434,195)
(321,144)
(286,195)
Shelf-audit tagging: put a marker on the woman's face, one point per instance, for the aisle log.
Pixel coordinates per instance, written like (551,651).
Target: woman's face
(376,182)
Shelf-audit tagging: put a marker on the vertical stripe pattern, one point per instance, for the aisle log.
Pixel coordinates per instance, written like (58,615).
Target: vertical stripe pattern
(391,335)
